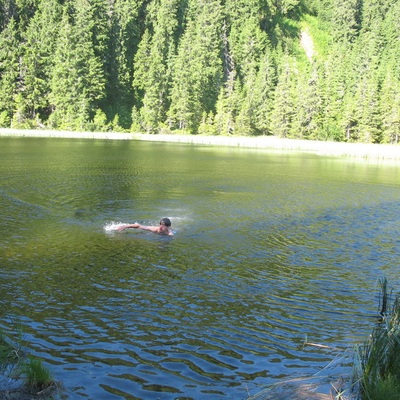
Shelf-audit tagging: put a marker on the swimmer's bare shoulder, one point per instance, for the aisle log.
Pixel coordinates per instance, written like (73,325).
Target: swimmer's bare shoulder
(163,229)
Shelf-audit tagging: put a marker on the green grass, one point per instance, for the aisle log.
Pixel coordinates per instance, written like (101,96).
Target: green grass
(36,379)
(9,354)
(36,374)
(288,33)
(377,365)
(321,38)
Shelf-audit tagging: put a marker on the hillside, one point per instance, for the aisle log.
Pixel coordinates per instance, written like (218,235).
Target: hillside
(313,69)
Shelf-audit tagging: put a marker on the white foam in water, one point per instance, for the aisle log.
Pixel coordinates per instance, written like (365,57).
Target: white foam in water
(112,226)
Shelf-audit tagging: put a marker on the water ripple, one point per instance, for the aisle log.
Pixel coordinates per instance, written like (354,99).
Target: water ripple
(269,253)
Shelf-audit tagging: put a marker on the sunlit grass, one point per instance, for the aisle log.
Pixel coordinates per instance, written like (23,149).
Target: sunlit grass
(377,365)
(321,39)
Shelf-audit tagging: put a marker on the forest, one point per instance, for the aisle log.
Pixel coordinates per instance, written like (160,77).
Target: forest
(304,69)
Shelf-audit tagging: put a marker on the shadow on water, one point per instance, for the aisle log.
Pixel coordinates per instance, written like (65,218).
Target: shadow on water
(268,250)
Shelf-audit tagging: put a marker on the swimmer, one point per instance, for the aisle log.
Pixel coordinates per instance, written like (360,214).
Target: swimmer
(163,229)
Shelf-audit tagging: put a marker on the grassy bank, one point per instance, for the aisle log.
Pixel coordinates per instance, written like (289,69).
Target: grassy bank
(357,150)
(24,377)
(377,365)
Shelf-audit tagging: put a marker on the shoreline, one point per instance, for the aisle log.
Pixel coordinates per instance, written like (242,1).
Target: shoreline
(338,149)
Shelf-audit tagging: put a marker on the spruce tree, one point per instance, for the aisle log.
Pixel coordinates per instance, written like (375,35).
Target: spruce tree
(345,19)
(389,71)
(77,77)
(124,34)
(334,85)
(367,111)
(249,45)
(367,52)
(284,103)
(8,11)
(307,119)
(153,61)
(390,108)
(197,69)
(38,49)
(227,105)
(263,93)
(9,70)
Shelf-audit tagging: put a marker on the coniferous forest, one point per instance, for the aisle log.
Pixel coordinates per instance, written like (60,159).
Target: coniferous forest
(306,69)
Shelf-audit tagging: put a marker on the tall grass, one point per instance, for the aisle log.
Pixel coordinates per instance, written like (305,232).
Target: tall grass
(30,371)
(377,364)
(36,374)
(9,353)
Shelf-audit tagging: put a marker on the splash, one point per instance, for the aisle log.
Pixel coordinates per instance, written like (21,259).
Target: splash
(112,226)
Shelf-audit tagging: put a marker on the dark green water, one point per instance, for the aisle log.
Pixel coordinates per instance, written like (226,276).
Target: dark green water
(270,249)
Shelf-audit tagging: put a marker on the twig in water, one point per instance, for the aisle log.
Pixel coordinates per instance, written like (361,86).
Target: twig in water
(322,346)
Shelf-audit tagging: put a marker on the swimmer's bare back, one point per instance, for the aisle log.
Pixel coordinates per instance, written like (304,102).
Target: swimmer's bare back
(162,229)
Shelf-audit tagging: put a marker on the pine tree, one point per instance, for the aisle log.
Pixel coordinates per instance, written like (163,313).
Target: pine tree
(152,63)
(77,78)
(389,71)
(125,31)
(8,11)
(38,49)
(345,19)
(390,108)
(390,44)
(238,11)
(307,119)
(335,82)
(367,111)
(249,47)
(228,104)
(9,70)
(64,92)
(367,52)
(263,93)
(197,70)
(284,111)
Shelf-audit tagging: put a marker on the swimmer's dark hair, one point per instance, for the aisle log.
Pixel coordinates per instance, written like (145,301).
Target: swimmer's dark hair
(166,221)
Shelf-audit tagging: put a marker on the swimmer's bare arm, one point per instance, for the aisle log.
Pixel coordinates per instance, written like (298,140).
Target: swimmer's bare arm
(138,226)
(154,229)
(123,227)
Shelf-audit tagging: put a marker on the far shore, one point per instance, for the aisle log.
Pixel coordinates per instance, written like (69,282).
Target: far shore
(339,149)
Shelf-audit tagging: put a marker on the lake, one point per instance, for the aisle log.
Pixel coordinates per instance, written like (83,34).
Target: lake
(270,250)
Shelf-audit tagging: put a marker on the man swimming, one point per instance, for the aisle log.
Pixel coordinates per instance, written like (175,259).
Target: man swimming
(163,229)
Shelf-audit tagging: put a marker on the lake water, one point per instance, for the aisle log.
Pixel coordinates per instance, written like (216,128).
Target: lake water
(271,249)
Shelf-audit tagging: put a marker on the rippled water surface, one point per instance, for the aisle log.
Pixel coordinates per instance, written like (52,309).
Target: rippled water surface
(270,250)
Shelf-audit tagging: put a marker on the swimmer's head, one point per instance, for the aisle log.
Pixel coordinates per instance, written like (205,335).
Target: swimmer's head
(165,221)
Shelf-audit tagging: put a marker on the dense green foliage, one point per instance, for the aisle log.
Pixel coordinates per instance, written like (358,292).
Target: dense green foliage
(311,69)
